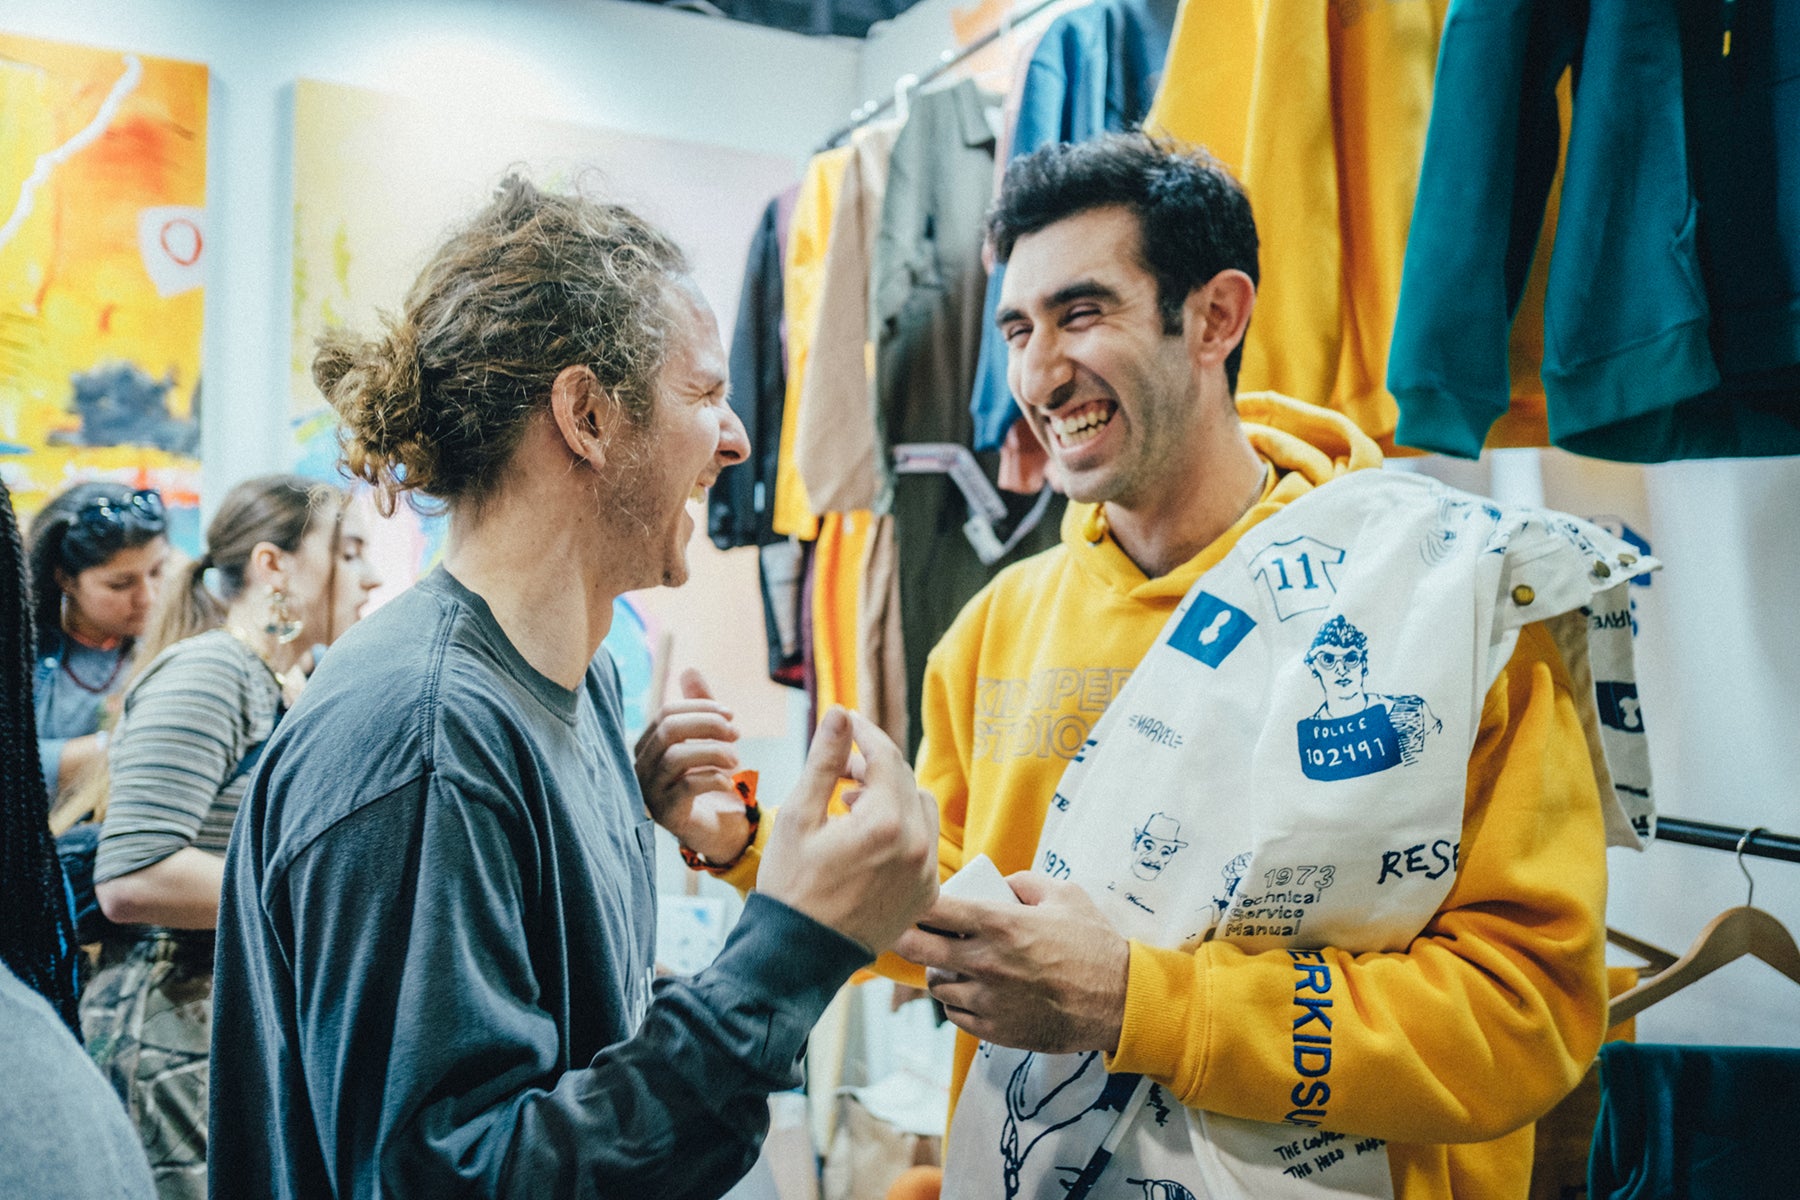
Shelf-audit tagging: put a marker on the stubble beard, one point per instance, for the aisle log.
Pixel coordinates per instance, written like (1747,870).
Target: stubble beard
(628,502)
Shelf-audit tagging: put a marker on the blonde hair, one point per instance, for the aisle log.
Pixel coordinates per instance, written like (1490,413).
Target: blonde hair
(534,283)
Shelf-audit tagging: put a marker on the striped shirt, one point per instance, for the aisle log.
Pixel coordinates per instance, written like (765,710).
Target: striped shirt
(189,720)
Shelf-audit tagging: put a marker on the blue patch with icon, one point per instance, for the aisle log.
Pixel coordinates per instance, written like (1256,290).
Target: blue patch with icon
(1211,630)
(1618,705)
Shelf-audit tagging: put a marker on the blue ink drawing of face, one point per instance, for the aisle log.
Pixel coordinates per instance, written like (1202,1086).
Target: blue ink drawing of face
(1339,660)
(1154,845)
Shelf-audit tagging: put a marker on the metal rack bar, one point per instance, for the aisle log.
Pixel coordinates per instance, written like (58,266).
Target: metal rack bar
(949,59)
(1761,843)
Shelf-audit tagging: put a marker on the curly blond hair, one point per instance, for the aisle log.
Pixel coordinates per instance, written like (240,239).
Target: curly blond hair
(534,283)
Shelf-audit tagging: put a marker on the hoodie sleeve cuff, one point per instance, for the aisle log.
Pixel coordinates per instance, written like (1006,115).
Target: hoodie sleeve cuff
(1168,1023)
(1433,419)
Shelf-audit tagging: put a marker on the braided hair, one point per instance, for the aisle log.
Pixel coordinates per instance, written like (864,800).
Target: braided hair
(37,930)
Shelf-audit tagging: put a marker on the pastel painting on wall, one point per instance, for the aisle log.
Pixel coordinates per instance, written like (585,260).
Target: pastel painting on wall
(380,180)
(102,257)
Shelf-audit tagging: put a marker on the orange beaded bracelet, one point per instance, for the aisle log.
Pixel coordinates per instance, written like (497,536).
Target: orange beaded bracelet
(744,783)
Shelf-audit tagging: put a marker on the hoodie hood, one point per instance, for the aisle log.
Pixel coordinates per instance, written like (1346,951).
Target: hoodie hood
(1305,447)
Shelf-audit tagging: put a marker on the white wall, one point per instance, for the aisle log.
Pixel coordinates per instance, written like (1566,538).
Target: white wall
(1721,675)
(910,43)
(626,66)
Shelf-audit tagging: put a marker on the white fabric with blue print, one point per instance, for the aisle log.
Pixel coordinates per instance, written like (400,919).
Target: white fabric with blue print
(1286,769)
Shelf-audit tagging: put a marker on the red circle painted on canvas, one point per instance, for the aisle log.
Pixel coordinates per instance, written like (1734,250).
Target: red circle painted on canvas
(181,241)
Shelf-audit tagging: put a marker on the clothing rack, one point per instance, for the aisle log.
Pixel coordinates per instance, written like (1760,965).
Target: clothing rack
(946,61)
(1759,841)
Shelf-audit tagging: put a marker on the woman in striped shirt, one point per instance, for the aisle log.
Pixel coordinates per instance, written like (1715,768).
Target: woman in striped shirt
(283,572)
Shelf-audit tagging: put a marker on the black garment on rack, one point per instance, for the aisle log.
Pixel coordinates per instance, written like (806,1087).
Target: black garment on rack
(783,568)
(742,502)
(927,287)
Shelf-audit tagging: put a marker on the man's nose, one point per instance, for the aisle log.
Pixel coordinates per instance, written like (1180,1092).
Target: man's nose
(734,441)
(1041,371)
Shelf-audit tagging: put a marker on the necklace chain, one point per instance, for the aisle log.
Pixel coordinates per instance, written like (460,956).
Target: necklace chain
(101,687)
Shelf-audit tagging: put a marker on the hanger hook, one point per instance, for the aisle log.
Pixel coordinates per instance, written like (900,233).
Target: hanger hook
(903,88)
(1750,899)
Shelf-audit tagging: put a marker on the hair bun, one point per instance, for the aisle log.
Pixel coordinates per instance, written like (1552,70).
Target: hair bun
(377,390)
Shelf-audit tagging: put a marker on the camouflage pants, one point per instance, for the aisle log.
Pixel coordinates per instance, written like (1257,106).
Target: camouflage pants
(147,1018)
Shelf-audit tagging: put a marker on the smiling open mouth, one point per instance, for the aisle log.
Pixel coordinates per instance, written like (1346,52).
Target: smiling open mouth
(1083,424)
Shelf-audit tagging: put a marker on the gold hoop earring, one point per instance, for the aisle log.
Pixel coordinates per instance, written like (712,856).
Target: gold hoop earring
(282,624)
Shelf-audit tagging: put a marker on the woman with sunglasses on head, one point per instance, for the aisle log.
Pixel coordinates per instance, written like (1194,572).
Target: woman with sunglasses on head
(283,570)
(96,564)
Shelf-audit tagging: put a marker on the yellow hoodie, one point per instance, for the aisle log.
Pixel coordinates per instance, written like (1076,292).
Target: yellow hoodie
(1321,111)
(1477,1030)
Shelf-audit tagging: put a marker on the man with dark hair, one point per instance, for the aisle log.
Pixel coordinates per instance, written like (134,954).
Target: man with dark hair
(1194,218)
(1404,968)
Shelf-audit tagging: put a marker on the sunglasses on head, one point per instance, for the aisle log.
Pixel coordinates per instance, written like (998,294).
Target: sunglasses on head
(104,515)
(1328,659)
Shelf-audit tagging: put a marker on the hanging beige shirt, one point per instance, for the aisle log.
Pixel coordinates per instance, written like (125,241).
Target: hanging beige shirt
(835,443)
(834,439)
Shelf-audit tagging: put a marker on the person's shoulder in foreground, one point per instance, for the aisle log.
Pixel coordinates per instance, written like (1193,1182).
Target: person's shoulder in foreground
(64,1093)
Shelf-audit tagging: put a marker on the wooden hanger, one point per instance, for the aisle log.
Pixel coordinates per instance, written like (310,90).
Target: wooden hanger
(1731,935)
(1656,959)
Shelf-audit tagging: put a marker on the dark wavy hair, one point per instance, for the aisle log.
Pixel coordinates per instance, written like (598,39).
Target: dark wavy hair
(60,540)
(1194,219)
(37,930)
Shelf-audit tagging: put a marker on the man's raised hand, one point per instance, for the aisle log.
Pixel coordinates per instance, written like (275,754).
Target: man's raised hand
(870,873)
(684,761)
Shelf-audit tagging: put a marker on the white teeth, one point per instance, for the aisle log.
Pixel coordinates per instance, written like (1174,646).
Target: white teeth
(1083,425)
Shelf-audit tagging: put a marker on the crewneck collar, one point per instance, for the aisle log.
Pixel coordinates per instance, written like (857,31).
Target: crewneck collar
(560,700)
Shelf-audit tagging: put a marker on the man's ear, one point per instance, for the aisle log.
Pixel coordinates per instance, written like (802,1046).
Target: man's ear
(584,414)
(1216,315)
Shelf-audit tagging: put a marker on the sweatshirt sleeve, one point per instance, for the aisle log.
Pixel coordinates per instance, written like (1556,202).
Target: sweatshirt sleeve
(1479,1027)
(444,1061)
(1490,155)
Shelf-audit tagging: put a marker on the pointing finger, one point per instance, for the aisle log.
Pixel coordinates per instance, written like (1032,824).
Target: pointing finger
(824,766)
(883,766)
(694,685)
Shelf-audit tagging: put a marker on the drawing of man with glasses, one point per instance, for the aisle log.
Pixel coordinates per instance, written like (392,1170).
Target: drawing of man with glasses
(1355,731)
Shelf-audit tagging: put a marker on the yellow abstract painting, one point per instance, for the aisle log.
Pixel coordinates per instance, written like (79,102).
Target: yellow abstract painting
(102,255)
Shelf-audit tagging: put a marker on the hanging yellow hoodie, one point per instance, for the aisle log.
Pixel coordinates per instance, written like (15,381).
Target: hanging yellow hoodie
(1478,1029)
(1321,111)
